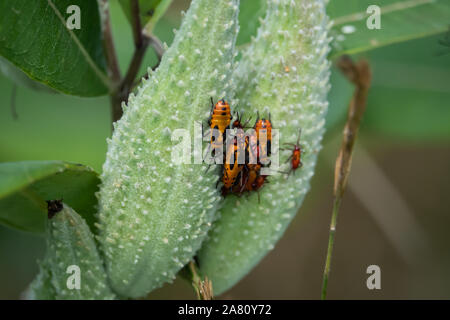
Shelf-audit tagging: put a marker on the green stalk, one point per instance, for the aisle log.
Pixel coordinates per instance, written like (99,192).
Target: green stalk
(326,273)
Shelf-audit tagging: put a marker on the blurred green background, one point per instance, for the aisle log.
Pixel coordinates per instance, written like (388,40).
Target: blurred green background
(395,214)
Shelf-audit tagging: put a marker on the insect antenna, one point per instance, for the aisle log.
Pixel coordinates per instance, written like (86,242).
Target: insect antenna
(299,135)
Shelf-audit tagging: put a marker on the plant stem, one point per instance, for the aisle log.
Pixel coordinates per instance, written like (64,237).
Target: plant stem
(156,44)
(123,86)
(136,23)
(360,75)
(140,47)
(108,43)
(133,69)
(142,38)
(111,60)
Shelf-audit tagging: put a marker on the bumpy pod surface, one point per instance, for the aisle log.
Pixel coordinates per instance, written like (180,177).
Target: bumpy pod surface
(42,288)
(71,252)
(154,214)
(285,72)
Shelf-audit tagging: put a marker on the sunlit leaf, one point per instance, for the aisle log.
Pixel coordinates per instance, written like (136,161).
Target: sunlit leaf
(400,20)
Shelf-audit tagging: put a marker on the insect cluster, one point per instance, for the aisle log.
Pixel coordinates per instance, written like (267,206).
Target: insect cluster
(242,154)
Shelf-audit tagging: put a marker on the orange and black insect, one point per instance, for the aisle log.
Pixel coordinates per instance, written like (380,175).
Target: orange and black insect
(295,158)
(220,120)
(258,183)
(252,175)
(263,127)
(237,124)
(240,134)
(238,178)
(253,179)
(232,168)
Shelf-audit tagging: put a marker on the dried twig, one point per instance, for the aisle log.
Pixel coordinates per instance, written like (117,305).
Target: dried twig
(360,75)
(203,288)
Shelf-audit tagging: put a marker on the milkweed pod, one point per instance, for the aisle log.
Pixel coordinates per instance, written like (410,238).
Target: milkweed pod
(296,33)
(42,288)
(72,268)
(154,214)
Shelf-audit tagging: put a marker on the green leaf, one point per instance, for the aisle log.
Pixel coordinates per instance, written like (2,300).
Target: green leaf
(21,78)
(24,187)
(150,11)
(34,37)
(401,20)
(410,92)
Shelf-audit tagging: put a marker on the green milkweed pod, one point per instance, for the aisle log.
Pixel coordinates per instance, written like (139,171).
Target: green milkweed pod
(284,71)
(72,268)
(42,288)
(155,214)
